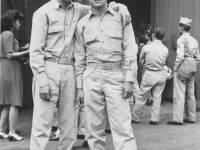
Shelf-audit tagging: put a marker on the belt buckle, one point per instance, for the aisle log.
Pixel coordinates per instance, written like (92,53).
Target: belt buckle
(57,60)
(107,66)
(62,61)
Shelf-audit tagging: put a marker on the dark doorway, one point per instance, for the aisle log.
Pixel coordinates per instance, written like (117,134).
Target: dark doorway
(140,11)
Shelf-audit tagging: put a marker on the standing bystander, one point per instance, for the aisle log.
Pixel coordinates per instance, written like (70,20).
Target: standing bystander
(183,93)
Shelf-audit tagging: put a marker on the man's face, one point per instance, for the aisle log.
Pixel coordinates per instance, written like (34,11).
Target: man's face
(98,3)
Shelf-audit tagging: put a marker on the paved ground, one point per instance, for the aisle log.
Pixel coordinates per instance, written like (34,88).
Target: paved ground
(160,137)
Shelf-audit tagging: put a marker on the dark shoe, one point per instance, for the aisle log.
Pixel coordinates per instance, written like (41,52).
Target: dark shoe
(174,123)
(135,122)
(188,121)
(14,137)
(153,123)
(54,138)
(85,144)
(81,137)
(54,128)
(149,103)
(108,131)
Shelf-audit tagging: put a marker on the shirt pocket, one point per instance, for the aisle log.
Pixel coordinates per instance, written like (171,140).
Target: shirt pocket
(89,38)
(89,41)
(115,34)
(114,39)
(55,34)
(55,28)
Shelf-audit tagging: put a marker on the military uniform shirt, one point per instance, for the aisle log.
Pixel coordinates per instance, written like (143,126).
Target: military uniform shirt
(52,35)
(182,49)
(155,55)
(103,39)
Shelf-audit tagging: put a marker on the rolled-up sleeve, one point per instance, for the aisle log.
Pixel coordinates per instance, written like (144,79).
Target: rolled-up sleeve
(130,53)
(80,56)
(38,37)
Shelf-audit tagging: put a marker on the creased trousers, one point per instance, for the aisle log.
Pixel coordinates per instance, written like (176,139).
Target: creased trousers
(183,97)
(153,81)
(102,88)
(62,83)
(80,121)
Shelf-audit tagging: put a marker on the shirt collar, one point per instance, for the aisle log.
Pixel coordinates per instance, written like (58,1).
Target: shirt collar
(108,10)
(56,4)
(185,34)
(157,41)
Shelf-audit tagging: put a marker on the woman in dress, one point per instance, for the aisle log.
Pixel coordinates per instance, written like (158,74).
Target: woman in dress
(11,90)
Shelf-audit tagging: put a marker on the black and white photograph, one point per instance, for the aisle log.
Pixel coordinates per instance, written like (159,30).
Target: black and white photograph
(100,75)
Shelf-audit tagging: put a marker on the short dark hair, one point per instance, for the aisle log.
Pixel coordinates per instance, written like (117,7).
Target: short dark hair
(185,27)
(159,33)
(6,23)
(142,39)
(15,14)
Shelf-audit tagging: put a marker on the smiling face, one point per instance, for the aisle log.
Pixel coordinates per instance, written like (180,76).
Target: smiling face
(98,3)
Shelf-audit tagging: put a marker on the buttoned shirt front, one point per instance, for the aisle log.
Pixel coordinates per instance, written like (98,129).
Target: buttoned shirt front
(182,50)
(155,55)
(52,35)
(103,39)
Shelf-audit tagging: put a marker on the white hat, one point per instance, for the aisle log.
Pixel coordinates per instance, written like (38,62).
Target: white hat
(186,21)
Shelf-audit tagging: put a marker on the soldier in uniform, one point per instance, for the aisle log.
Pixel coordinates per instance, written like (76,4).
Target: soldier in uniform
(154,79)
(183,94)
(51,60)
(105,61)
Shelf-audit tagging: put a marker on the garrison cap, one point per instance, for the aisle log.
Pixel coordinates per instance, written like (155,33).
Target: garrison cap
(186,21)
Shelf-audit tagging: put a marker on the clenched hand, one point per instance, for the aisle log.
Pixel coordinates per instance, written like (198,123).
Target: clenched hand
(80,98)
(127,90)
(45,93)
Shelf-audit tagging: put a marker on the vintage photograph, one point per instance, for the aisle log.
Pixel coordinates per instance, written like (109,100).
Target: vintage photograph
(100,75)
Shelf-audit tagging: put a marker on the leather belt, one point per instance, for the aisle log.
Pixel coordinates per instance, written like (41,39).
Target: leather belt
(4,58)
(105,65)
(64,61)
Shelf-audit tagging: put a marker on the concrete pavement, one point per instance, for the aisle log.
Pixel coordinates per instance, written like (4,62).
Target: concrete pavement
(159,137)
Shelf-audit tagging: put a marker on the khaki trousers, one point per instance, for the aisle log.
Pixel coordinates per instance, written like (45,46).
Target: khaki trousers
(62,82)
(151,81)
(183,96)
(103,89)
(80,121)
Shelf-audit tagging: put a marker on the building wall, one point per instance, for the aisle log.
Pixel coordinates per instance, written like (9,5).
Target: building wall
(167,13)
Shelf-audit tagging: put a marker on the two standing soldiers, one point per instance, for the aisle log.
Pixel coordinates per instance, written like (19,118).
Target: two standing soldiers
(105,53)
(51,60)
